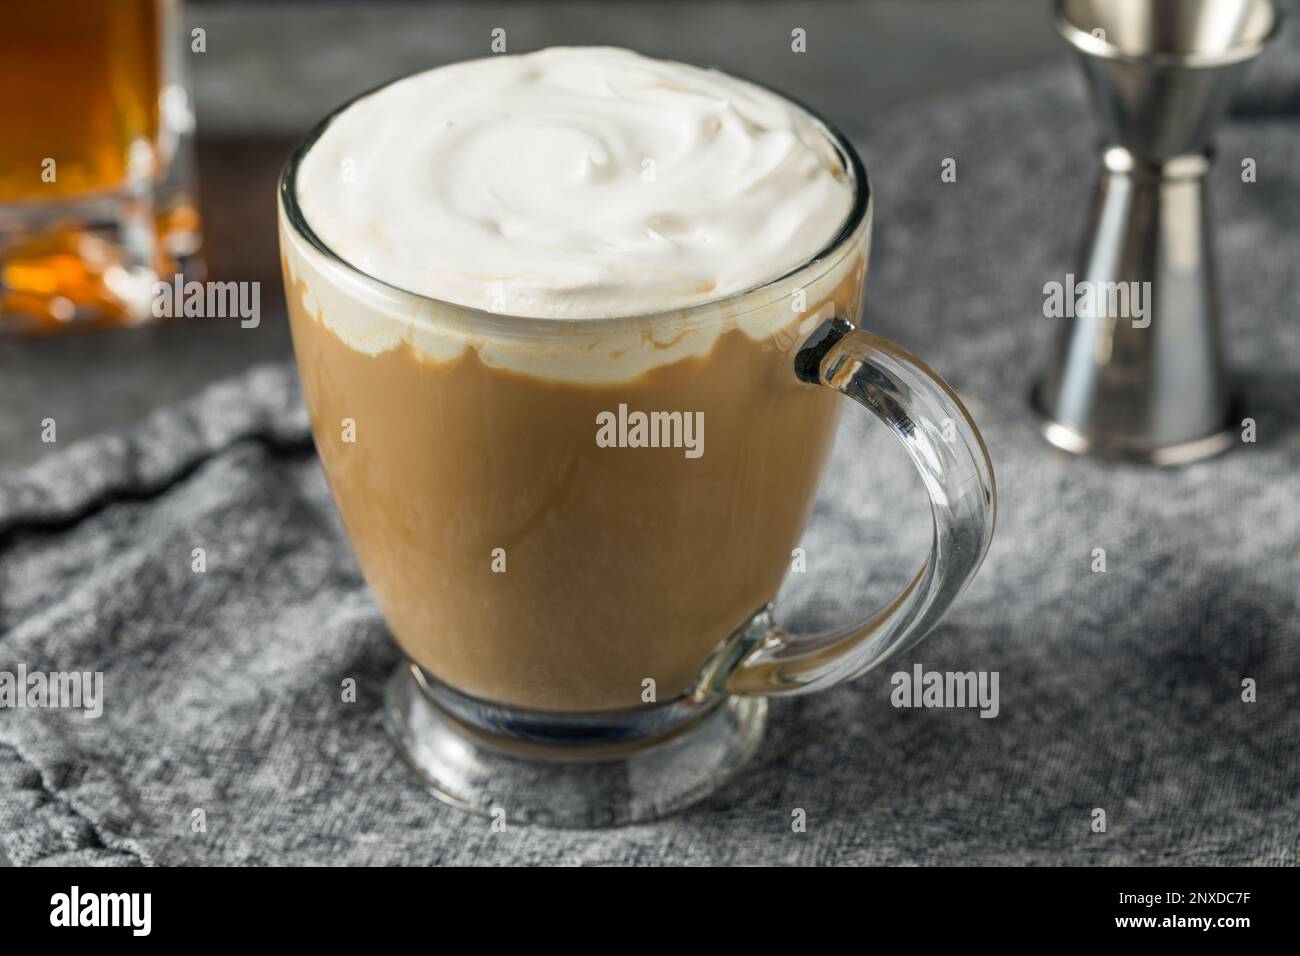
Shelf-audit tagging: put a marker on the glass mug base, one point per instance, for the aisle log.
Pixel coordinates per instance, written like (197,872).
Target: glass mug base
(567,770)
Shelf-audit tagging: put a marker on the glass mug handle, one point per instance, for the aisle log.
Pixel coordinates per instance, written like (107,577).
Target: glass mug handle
(763,660)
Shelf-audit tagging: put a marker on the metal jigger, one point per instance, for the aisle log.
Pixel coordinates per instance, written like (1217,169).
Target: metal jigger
(1151,388)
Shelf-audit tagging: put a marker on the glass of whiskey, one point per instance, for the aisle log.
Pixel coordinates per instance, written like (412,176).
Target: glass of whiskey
(97,188)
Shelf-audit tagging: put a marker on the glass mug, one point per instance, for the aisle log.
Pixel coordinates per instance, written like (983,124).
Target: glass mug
(588,618)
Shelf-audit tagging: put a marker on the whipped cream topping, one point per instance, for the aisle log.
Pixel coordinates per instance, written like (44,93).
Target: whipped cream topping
(574,183)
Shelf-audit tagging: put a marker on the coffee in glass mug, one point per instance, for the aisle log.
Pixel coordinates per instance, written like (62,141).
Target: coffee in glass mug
(570,327)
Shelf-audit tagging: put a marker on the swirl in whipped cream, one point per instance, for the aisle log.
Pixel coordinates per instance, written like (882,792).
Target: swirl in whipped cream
(574,183)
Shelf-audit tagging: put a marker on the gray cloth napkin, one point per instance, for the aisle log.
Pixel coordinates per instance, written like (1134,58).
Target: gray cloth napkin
(1119,690)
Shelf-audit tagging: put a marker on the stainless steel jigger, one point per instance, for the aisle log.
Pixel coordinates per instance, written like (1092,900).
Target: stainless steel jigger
(1150,388)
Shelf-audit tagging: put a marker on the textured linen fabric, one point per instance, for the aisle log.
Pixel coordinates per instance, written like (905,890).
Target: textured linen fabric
(1119,690)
